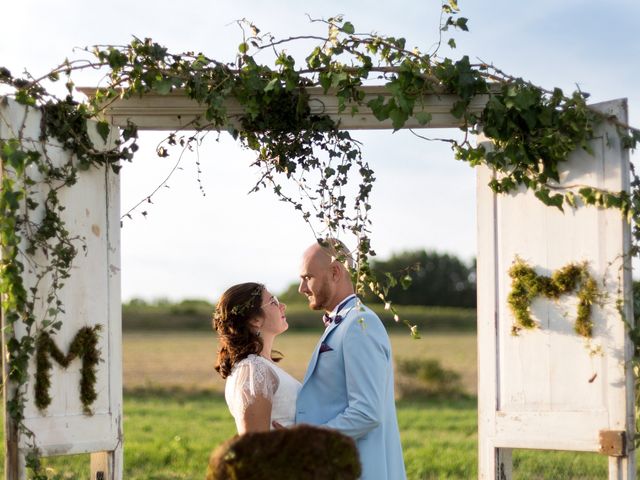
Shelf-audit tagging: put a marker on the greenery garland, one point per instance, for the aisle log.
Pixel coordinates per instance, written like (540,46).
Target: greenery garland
(527,285)
(532,130)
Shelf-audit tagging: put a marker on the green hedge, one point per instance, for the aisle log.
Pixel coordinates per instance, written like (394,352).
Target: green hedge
(299,317)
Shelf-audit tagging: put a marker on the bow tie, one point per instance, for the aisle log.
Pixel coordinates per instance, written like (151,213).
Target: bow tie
(326,319)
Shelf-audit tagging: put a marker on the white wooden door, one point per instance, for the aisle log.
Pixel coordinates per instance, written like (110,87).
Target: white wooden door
(91,296)
(549,388)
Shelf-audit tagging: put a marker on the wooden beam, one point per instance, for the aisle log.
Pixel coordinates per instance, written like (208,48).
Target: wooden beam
(101,466)
(177,111)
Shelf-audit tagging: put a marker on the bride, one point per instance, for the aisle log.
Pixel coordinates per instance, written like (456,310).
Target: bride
(258,392)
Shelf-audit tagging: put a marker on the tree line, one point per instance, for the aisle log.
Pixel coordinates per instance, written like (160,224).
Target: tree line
(421,277)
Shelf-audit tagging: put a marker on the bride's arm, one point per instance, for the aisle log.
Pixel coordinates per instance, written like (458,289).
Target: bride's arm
(256,417)
(254,385)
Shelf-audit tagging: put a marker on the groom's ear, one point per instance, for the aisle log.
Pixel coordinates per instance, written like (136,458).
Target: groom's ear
(335,271)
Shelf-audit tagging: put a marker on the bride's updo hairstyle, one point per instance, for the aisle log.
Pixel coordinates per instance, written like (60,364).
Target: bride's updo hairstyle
(232,321)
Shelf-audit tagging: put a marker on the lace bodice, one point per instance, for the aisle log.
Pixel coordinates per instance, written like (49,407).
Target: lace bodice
(257,376)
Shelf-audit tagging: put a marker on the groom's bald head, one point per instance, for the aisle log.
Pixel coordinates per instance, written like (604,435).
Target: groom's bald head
(324,278)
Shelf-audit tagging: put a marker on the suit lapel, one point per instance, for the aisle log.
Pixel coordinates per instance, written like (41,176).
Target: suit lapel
(314,358)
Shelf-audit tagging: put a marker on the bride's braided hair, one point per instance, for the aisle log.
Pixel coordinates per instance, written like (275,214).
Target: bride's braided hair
(232,321)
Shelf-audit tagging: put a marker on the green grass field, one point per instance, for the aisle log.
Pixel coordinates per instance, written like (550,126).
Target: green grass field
(174,412)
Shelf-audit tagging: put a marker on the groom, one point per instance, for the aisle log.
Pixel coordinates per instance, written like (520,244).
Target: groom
(349,382)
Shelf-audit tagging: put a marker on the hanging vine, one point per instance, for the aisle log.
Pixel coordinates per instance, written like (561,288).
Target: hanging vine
(304,157)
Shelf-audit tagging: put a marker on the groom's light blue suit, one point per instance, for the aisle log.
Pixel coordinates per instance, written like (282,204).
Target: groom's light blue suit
(349,387)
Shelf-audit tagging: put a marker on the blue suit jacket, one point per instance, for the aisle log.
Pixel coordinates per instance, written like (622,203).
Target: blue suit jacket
(349,387)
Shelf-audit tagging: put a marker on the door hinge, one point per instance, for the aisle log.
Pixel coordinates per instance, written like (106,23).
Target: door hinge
(613,443)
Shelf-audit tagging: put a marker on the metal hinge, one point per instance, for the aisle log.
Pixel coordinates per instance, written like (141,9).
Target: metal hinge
(613,443)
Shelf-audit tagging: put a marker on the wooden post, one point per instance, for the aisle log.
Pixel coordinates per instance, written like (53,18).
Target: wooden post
(13,464)
(529,395)
(92,297)
(101,466)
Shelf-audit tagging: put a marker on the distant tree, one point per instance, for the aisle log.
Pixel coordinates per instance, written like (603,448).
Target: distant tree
(437,279)
(136,302)
(191,306)
(291,294)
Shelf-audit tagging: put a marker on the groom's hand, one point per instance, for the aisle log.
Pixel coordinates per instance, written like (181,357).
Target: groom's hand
(277,425)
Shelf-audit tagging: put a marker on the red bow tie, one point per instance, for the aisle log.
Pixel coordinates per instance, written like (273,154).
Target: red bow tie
(326,319)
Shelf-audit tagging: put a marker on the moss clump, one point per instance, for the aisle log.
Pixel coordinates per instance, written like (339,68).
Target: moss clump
(84,345)
(293,453)
(527,284)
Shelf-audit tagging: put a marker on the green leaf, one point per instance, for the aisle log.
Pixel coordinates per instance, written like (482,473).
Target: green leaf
(451,43)
(550,200)
(163,87)
(272,84)
(103,130)
(587,195)
(116,58)
(377,106)
(17,159)
(328,172)
(348,28)
(461,23)
(243,48)
(338,77)
(23,97)
(423,117)
(325,80)
(398,118)
(458,109)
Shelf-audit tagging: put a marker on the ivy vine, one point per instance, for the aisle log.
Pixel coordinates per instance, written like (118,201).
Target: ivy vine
(527,285)
(304,157)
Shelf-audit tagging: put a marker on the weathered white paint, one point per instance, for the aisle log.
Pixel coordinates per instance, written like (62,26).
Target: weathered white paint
(91,296)
(543,389)
(176,111)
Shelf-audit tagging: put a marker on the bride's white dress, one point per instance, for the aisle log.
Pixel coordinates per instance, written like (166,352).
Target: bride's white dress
(255,375)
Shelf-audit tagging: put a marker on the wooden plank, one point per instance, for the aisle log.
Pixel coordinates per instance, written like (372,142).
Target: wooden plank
(91,296)
(101,466)
(177,111)
(70,435)
(570,431)
(13,460)
(621,399)
(551,393)
(490,459)
(114,305)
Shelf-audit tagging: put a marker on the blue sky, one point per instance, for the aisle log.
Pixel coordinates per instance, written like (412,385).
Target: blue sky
(195,246)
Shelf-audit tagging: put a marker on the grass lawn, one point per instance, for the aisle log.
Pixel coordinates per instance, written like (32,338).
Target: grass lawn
(174,412)
(170,434)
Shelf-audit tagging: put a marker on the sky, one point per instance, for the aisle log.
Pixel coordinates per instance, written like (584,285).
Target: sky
(191,245)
